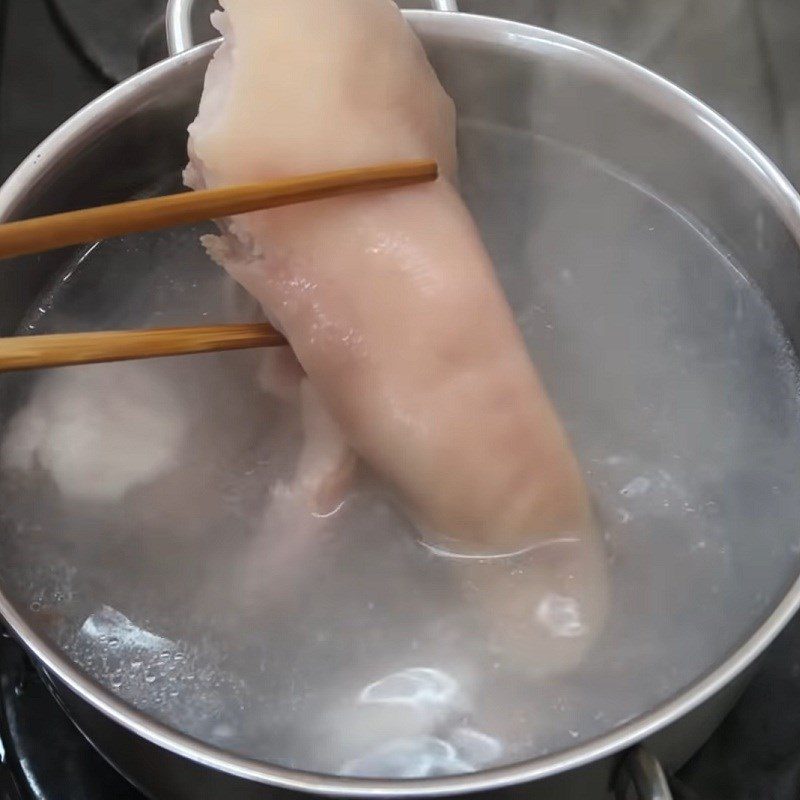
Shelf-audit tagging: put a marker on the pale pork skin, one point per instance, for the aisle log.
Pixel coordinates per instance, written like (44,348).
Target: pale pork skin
(389,299)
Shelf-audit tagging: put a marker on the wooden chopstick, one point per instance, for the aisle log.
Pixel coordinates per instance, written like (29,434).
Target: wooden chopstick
(70,349)
(91,224)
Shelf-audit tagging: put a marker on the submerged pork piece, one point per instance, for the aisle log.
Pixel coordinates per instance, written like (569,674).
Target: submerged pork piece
(389,300)
(100,431)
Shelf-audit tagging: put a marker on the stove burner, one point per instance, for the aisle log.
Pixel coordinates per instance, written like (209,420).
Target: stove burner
(42,754)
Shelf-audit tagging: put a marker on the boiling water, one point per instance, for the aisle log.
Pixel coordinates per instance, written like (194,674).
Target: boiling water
(141,504)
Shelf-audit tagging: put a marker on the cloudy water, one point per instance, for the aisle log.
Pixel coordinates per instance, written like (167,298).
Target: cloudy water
(145,526)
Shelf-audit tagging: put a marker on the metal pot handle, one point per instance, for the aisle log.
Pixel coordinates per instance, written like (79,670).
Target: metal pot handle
(641,777)
(178,19)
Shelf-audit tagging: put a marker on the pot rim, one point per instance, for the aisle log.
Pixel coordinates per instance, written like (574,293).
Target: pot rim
(652,89)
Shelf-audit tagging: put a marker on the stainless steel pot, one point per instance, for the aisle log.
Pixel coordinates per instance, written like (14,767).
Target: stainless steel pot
(509,74)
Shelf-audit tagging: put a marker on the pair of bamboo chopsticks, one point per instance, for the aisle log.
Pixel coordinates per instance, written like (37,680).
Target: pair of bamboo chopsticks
(89,225)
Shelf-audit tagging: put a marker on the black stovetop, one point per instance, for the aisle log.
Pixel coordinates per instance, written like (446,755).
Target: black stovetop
(44,757)
(56,55)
